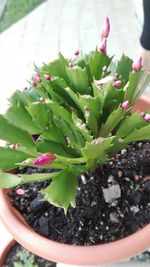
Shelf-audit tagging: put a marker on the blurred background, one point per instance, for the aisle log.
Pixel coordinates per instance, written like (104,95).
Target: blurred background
(33,31)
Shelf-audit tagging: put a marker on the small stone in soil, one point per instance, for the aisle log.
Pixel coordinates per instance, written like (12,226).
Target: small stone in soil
(112,193)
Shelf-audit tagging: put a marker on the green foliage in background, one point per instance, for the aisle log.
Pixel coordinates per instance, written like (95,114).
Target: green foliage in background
(15,10)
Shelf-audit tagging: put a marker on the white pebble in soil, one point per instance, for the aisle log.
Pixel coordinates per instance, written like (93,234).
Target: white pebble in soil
(112,193)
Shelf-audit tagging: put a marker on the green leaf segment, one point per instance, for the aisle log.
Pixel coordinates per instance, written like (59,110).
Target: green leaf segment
(76,114)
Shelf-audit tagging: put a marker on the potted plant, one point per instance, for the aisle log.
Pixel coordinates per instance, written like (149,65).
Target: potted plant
(14,255)
(81,159)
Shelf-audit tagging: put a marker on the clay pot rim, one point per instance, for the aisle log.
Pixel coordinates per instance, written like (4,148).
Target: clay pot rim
(5,250)
(72,254)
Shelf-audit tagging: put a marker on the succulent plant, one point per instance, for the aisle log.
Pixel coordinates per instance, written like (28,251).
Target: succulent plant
(75,115)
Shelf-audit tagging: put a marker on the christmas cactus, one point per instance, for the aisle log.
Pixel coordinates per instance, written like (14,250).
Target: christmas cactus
(75,115)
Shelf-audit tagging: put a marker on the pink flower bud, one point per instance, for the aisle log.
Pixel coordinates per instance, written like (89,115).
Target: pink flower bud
(20,192)
(14,147)
(102,47)
(142,114)
(71,65)
(38,79)
(104,69)
(35,74)
(147,117)
(47,77)
(125,105)
(42,99)
(76,53)
(117,84)
(45,159)
(33,84)
(137,65)
(105,28)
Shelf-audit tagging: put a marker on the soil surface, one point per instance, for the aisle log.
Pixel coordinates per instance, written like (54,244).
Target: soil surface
(112,202)
(14,257)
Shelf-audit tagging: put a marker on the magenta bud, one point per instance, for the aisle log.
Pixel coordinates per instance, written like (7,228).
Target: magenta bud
(35,74)
(105,28)
(117,83)
(38,79)
(77,52)
(137,65)
(33,84)
(71,65)
(42,99)
(104,69)
(142,114)
(125,105)
(20,192)
(14,146)
(45,159)
(147,117)
(102,47)
(47,77)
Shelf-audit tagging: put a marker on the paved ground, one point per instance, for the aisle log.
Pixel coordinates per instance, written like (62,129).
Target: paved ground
(63,25)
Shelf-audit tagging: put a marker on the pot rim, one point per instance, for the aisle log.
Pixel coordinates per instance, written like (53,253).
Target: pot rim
(5,250)
(72,254)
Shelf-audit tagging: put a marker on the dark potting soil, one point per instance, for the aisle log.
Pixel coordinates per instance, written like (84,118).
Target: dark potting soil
(112,202)
(26,258)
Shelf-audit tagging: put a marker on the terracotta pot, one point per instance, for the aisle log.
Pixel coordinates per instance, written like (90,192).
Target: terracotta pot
(71,254)
(4,251)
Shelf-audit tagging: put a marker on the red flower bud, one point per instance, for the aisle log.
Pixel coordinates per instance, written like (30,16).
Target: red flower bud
(77,52)
(137,65)
(106,28)
(117,84)
(102,47)
(45,159)
(47,77)
(125,105)
(71,65)
(42,99)
(33,84)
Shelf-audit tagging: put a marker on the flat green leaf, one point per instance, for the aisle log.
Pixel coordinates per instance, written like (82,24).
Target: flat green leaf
(130,123)
(112,121)
(54,134)
(139,134)
(97,61)
(61,192)
(132,87)
(40,113)
(14,135)
(60,111)
(36,177)
(79,79)
(23,121)
(112,99)
(58,149)
(74,138)
(9,157)
(97,148)
(8,180)
(123,68)
(58,68)
(23,98)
